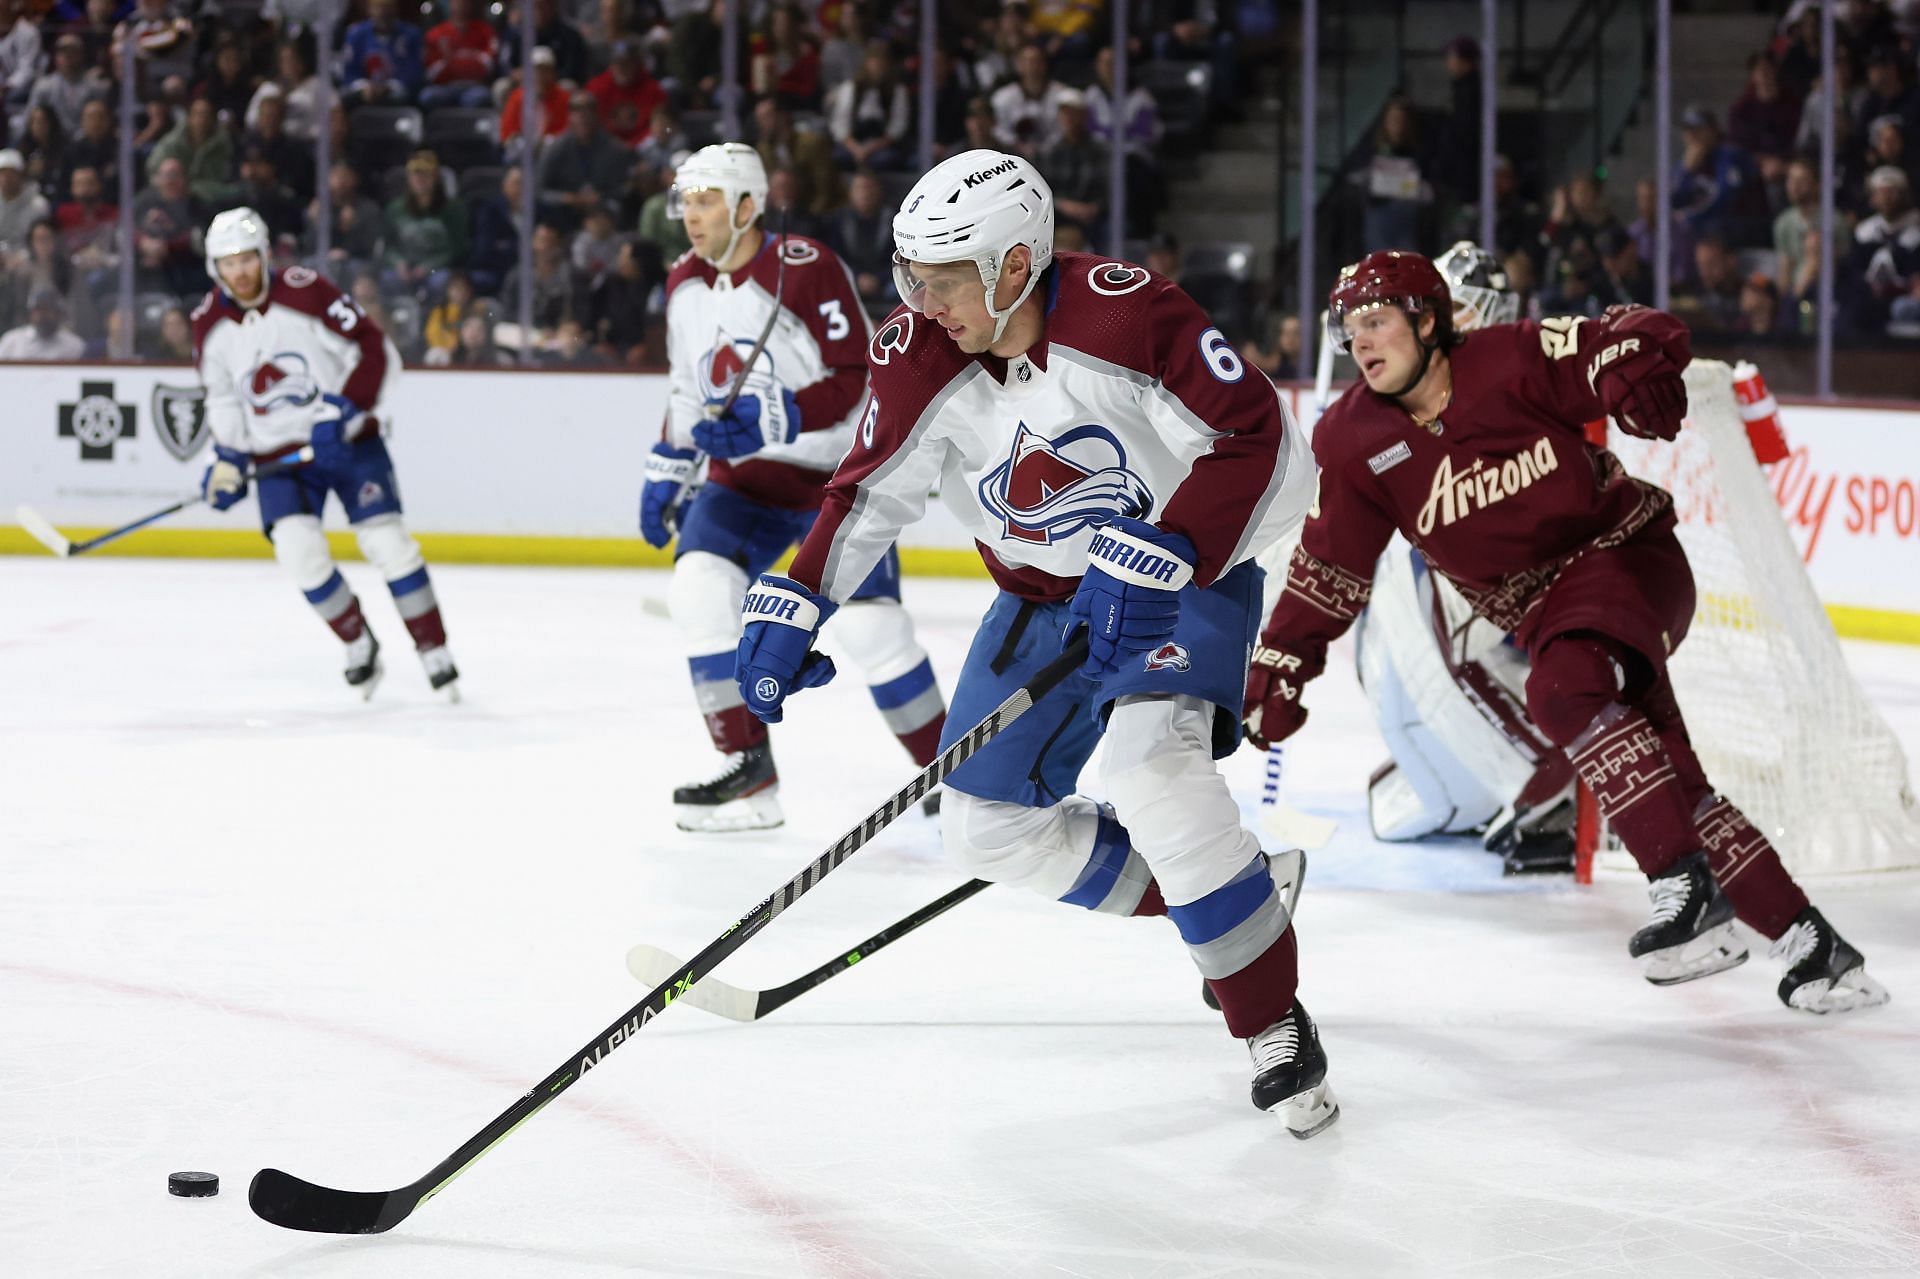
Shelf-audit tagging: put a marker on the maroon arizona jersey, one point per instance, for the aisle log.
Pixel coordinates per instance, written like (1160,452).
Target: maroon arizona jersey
(1499,495)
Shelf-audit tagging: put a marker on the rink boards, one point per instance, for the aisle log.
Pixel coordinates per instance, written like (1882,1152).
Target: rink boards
(512,467)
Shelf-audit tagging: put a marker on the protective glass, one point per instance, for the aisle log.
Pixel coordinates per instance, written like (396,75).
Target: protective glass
(946,289)
(1368,315)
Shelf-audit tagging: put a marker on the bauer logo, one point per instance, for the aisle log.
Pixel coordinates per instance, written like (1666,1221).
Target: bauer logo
(180,419)
(1051,489)
(97,421)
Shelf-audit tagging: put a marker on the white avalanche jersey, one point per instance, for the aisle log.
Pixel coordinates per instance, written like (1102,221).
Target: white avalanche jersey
(1131,404)
(817,350)
(265,369)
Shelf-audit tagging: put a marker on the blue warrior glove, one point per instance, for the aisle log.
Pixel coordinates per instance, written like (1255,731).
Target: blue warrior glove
(669,471)
(1129,599)
(225,482)
(333,438)
(776,657)
(767,414)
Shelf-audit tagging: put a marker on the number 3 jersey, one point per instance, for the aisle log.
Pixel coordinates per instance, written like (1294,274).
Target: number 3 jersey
(817,349)
(1131,403)
(265,369)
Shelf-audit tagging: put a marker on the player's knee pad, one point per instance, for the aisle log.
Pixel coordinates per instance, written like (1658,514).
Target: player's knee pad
(1574,678)
(301,548)
(387,545)
(703,598)
(1179,814)
(878,635)
(1042,849)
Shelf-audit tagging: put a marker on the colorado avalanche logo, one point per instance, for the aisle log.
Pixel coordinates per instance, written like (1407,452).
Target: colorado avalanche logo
(1168,657)
(1051,489)
(721,365)
(282,380)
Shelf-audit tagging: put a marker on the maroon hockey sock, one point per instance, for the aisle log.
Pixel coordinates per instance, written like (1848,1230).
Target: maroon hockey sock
(1151,902)
(1261,993)
(350,623)
(427,629)
(1621,759)
(1763,894)
(923,743)
(735,729)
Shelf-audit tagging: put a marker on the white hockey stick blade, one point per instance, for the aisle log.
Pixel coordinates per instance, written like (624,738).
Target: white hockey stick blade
(711,995)
(1295,828)
(41,531)
(654,607)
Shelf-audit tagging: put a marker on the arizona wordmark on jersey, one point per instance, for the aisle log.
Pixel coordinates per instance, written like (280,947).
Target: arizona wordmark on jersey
(817,349)
(1131,404)
(266,368)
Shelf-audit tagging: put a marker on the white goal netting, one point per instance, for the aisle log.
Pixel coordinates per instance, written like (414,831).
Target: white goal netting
(1781,725)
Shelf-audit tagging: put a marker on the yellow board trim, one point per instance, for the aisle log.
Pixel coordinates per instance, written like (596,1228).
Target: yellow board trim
(630,552)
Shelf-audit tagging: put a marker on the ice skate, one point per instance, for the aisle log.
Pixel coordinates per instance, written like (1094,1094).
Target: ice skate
(1824,974)
(742,796)
(1289,870)
(442,674)
(364,668)
(1290,1074)
(1691,932)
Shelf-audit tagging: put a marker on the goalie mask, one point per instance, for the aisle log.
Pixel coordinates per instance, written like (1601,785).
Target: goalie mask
(1478,283)
(734,170)
(974,207)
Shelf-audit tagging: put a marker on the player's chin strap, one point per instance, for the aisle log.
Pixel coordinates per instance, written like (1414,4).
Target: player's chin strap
(990,277)
(1426,359)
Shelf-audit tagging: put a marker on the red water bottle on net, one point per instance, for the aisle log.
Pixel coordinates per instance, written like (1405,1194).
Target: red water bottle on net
(1761,413)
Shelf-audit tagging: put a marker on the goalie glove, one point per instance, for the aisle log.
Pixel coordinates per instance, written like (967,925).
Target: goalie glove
(1272,711)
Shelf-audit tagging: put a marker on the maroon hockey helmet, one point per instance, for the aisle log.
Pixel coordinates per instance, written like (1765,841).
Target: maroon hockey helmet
(1390,277)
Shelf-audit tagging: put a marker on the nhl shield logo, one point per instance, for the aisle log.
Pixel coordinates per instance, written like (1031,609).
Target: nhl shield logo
(180,419)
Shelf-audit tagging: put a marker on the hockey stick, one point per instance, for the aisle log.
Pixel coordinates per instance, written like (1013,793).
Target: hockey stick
(43,531)
(286,1200)
(652,965)
(766,330)
(1298,829)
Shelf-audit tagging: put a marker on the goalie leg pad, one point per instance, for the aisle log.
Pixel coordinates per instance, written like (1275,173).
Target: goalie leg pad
(301,549)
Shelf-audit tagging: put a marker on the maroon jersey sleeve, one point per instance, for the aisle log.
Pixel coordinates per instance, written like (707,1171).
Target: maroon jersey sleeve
(821,292)
(1585,366)
(313,294)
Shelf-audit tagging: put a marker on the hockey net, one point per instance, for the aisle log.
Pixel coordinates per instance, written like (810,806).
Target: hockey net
(1779,722)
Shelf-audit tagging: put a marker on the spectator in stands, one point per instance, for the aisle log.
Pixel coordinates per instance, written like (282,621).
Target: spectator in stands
(668,235)
(476,349)
(292,161)
(620,306)
(665,139)
(862,234)
(783,201)
(21,204)
(549,104)
(166,224)
(583,169)
(1026,112)
(1680,237)
(20,56)
(229,85)
(43,265)
(366,292)
(1189,31)
(1885,255)
(595,245)
(1716,186)
(442,329)
(982,127)
(1139,120)
(1163,256)
(43,147)
(1759,308)
(204,149)
(45,336)
(786,60)
(1799,59)
(89,226)
(461,57)
(1764,120)
(1628,278)
(1066,28)
(1078,169)
(842,51)
(1710,302)
(1889,91)
(868,116)
(1523,280)
(176,335)
(807,153)
(384,59)
(1796,233)
(70,85)
(1887,145)
(496,234)
(1851,102)
(550,32)
(1394,194)
(1456,153)
(262,190)
(97,147)
(627,96)
(1576,219)
(1281,361)
(166,112)
(427,232)
(96,33)
(162,41)
(570,347)
(354,233)
(553,283)
(1572,291)
(298,87)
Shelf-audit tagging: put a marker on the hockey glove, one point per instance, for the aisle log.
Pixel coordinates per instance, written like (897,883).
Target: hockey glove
(333,438)
(1129,599)
(225,482)
(1272,711)
(767,414)
(780,620)
(669,471)
(1651,404)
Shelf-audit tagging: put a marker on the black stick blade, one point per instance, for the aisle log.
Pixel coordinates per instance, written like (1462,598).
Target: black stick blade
(285,1200)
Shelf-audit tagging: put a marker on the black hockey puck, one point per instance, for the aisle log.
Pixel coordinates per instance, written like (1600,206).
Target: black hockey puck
(193,1185)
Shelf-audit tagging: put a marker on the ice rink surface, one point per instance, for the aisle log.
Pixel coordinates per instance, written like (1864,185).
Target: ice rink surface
(251,921)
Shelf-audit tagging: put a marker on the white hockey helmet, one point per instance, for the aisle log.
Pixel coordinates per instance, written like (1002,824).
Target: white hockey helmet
(1479,286)
(734,170)
(974,207)
(238,230)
